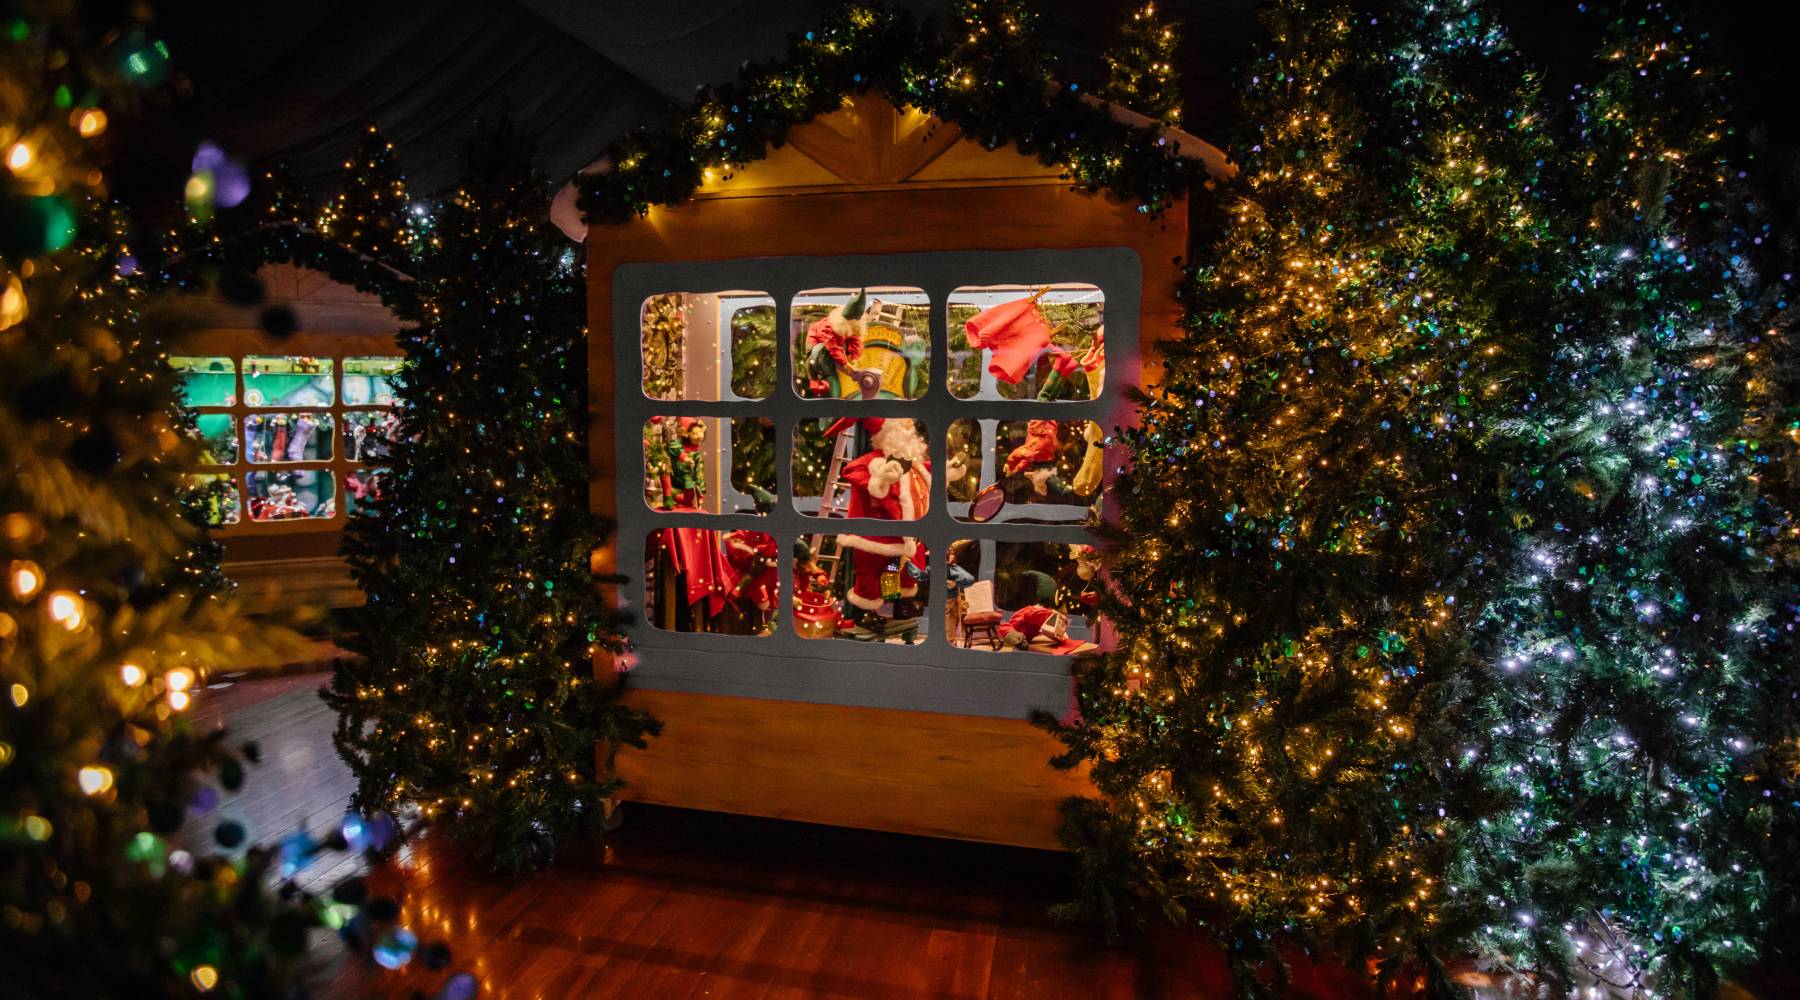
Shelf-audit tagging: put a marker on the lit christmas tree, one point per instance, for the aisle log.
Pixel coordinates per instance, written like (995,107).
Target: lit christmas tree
(1643,722)
(372,213)
(477,698)
(1460,604)
(1141,73)
(1275,736)
(106,623)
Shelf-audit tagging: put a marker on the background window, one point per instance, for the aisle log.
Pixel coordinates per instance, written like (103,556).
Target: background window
(683,456)
(1036,597)
(1044,342)
(216,433)
(207,381)
(285,381)
(370,381)
(290,496)
(707,580)
(279,438)
(856,343)
(707,346)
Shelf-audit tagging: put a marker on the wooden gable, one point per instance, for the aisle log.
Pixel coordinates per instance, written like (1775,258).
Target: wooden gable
(869,144)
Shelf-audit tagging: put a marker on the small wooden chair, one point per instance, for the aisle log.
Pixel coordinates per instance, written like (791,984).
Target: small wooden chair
(980,618)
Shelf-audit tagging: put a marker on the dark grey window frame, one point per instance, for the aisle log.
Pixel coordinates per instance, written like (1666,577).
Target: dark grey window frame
(931,675)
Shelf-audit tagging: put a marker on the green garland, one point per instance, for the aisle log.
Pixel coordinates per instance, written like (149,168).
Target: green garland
(290,243)
(993,88)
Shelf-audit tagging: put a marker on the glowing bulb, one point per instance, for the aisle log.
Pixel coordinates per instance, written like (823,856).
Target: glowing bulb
(204,977)
(67,608)
(26,578)
(91,123)
(19,157)
(131,674)
(180,679)
(94,780)
(178,700)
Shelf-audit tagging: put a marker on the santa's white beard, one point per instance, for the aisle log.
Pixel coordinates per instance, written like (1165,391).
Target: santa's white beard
(898,438)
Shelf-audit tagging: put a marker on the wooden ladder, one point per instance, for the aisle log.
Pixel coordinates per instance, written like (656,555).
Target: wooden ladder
(834,502)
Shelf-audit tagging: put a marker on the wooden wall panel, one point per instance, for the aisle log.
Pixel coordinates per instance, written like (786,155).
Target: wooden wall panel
(872,768)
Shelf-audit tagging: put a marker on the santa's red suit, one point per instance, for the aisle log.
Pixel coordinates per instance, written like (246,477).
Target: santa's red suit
(884,487)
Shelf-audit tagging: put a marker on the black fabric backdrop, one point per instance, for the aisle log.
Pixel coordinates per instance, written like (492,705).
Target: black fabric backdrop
(296,81)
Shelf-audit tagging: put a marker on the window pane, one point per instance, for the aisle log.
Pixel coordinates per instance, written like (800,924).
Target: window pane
(683,456)
(287,381)
(218,497)
(708,346)
(207,381)
(871,467)
(273,438)
(216,434)
(1044,342)
(363,486)
(1035,597)
(370,435)
(289,496)
(752,323)
(1025,471)
(861,588)
(370,381)
(851,343)
(702,580)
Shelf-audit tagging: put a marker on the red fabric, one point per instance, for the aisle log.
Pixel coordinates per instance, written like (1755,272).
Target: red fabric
(752,556)
(1028,621)
(695,554)
(981,618)
(1013,333)
(1039,447)
(843,350)
(1065,363)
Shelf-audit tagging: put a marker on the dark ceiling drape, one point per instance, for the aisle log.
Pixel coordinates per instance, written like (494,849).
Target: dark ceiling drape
(296,81)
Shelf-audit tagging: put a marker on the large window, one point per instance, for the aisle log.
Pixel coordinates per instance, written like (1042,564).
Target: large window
(858,471)
(289,438)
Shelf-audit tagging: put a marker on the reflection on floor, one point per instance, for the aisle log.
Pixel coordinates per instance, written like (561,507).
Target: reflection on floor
(693,904)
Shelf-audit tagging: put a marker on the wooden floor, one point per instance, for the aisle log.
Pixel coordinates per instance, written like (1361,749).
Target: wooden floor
(702,905)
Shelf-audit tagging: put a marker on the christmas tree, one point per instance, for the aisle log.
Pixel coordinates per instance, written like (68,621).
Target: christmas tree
(1643,721)
(1460,603)
(1141,73)
(372,213)
(1278,737)
(477,698)
(106,619)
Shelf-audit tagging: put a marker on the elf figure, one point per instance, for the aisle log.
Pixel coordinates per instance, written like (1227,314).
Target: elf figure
(1036,459)
(753,555)
(891,482)
(358,431)
(834,348)
(685,482)
(809,576)
(1065,368)
(1030,622)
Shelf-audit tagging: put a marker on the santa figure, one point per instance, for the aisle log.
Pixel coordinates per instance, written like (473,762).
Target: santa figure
(890,482)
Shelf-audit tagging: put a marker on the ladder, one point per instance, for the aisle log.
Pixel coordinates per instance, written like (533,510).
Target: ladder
(834,502)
